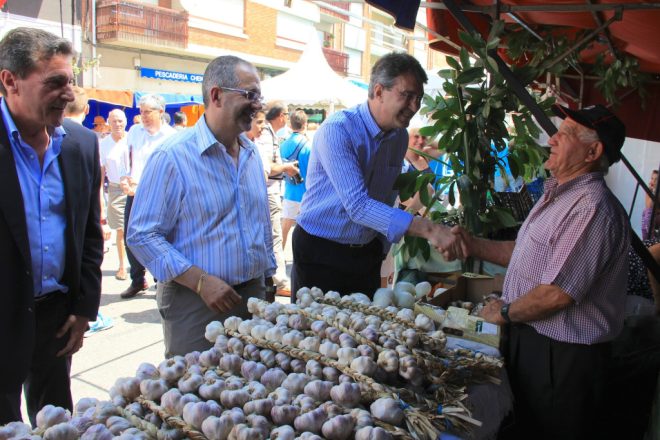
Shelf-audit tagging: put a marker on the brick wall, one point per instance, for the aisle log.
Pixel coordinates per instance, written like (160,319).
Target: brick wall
(261,29)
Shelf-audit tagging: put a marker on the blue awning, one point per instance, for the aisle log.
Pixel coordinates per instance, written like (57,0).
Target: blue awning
(172,99)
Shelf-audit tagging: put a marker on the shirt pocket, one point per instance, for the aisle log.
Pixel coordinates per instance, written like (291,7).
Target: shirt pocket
(535,252)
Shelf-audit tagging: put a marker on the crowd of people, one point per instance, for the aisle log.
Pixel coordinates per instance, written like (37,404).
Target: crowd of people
(201,207)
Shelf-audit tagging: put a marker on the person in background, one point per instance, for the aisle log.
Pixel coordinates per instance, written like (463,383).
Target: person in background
(180,121)
(142,140)
(648,209)
(100,127)
(114,153)
(137,119)
(76,111)
(167,119)
(347,220)
(268,143)
(200,221)
(565,284)
(296,148)
(51,244)
(412,160)
(257,126)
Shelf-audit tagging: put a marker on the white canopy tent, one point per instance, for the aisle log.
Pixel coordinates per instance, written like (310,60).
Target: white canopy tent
(312,82)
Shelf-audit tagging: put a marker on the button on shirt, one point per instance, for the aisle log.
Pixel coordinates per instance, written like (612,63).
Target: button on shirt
(140,146)
(195,207)
(45,206)
(114,156)
(350,179)
(575,237)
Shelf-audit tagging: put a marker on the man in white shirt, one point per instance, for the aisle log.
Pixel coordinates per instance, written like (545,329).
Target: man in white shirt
(142,140)
(114,152)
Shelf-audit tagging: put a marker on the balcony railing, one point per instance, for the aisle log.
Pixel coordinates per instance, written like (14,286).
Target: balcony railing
(141,24)
(341,5)
(337,60)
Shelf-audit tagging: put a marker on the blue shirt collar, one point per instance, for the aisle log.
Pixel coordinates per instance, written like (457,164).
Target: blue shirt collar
(208,138)
(373,129)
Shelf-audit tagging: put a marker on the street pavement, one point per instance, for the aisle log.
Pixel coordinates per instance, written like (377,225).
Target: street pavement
(136,336)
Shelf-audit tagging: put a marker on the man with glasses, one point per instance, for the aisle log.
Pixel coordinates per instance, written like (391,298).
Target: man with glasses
(347,220)
(269,146)
(142,140)
(200,219)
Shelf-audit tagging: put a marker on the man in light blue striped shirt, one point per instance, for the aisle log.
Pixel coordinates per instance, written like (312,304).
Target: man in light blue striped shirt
(347,219)
(200,219)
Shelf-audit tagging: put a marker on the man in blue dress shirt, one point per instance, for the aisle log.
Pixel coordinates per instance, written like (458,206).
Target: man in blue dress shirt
(347,219)
(200,219)
(51,246)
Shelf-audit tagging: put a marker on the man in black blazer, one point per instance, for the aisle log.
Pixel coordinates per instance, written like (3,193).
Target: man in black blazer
(51,246)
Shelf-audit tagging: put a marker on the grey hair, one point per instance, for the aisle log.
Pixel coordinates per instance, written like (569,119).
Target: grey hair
(587,135)
(117,111)
(298,120)
(392,65)
(221,72)
(22,48)
(152,101)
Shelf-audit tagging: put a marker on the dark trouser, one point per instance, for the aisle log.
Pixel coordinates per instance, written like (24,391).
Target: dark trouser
(48,379)
(329,265)
(559,388)
(137,269)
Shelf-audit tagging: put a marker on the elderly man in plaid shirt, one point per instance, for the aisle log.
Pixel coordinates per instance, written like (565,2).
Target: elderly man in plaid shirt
(565,285)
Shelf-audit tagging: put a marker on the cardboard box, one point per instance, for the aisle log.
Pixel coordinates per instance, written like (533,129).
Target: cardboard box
(466,287)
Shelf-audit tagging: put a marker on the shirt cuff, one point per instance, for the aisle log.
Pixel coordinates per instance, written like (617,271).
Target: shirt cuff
(399,224)
(169,266)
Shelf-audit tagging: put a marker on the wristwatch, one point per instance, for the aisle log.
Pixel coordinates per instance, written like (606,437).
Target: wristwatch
(104,221)
(504,311)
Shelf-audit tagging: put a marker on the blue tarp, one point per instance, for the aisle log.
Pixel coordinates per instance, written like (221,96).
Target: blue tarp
(172,99)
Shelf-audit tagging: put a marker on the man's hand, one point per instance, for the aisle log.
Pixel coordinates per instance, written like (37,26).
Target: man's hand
(127,185)
(291,168)
(446,242)
(491,312)
(77,325)
(460,247)
(218,295)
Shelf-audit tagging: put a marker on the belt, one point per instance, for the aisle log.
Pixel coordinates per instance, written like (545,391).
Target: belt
(243,284)
(373,242)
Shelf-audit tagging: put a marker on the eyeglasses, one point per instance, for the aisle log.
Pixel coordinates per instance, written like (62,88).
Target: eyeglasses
(247,94)
(410,96)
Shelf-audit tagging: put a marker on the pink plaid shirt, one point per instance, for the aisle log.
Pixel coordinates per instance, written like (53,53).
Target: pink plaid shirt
(577,238)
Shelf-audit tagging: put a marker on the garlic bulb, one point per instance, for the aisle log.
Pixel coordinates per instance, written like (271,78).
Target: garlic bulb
(217,428)
(283,361)
(231,362)
(85,403)
(267,357)
(318,390)
(292,338)
(245,327)
(284,414)
(358,323)
(366,350)
(51,415)
(391,309)
(259,406)
(383,297)
(295,382)
(346,394)
(343,318)
(284,432)
(311,421)
(282,320)
(211,388)
(347,341)
(281,396)
(190,383)
(370,333)
(360,298)
(256,390)
(275,333)
(346,355)
(273,378)
(234,383)
(299,322)
(172,369)
(338,428)
(81,423)
(372,433)
(235,346)
(410,337)
(132,434)
(191,358)
(388,360)
(305,403)
(213,330)
(195,413)
(333,334)
(126,387)
(422,289)
(318,327)
(406,314)
(236,415)
(387,410)
(61,431)
(329,349)
(405,286)
(331,374)
(331,294)
(259,331)
(404,299)
(251,352)
(15,430)
(314,369)
(361,418)
(364,365)
(170,399)
(298,365)
(152,389)
(252,370)
(310,343)
(97,432)
(221,344)
(234,398)
(259,423)
(424,322)
(117,424)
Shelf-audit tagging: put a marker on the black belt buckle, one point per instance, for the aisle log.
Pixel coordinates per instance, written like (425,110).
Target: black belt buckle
(357,245)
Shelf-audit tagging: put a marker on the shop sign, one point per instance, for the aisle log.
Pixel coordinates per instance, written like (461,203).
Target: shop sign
(170,75)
